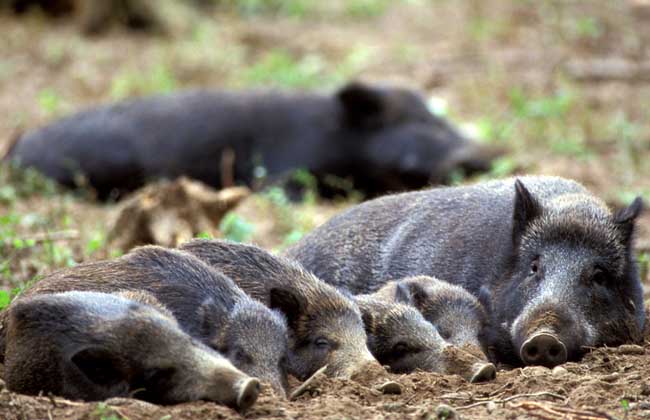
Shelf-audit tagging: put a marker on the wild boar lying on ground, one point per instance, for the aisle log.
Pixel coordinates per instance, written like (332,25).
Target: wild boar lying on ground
(323,324)
(380,138)
(207,305)
(556,263)
(93,346)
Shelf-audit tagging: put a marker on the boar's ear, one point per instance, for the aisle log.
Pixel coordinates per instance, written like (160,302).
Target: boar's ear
(485,298)
(102,367)
(625,217)
(363,106)
(410,294)
(526,209)
(211,317)
(287,302)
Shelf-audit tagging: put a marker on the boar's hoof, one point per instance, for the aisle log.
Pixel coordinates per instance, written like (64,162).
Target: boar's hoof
(249,389)
(543,349)
(483,372)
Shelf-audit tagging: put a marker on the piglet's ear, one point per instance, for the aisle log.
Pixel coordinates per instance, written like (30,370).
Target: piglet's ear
(363,106)
(624,218)
(287,302)
(526,209)
(103,368)
(412,294)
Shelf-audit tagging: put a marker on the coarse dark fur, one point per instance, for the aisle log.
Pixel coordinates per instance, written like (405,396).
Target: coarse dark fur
(325,327)
(399,337)
(539,247)
(93,346)
(95,16)
(206,303)
(382,139)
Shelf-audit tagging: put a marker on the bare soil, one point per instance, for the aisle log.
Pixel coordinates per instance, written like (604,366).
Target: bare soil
(471,52)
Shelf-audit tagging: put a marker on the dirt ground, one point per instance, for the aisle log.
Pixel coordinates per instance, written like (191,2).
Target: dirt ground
(562,86)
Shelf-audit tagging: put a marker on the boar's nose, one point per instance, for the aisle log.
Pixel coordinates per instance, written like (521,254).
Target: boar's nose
(543,349)
(483,372)
(248,390)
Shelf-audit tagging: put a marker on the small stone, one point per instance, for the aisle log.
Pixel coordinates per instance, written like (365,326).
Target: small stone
(536,371)
(631,349)
(491,406)
(391,388)
(446,412)
(559,371)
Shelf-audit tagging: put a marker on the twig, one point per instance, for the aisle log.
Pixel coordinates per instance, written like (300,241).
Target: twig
(560,412)
(305,385)
(62,235)
(511,398)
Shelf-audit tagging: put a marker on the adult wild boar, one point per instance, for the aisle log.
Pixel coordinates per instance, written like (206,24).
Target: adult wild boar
(93,346)
(325,327)
(207,305)
(556,263)
(379,137)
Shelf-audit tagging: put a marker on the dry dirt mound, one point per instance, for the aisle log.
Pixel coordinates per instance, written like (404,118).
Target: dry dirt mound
(606,384)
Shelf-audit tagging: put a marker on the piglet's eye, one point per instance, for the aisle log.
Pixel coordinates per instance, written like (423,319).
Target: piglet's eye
(534,266)
(322,343)
(400,348)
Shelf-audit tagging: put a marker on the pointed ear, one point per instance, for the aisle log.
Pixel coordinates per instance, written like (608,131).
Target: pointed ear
(412,294)
(368,320)
(403,293)
(526,209)
(363,106)
(287,302)
(102,367)
(485,298)
(211,318)
(624,218)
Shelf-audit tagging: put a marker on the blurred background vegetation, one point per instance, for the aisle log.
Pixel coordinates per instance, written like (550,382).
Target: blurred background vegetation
(563,86)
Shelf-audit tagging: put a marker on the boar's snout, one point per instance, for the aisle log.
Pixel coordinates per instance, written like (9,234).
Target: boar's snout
(365,363)
(543,349)
(483,372)
(462,362)
(247,391)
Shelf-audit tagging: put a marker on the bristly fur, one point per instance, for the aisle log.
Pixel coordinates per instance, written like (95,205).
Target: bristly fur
(313,309)
(486,237)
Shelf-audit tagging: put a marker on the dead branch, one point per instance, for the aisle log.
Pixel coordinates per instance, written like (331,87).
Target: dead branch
(513,397)
(559,412)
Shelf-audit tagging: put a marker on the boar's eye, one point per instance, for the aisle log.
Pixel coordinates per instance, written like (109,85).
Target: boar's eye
(241,357)
(400,348)
(322,343)
(444,333)
(534,266)
(599,276)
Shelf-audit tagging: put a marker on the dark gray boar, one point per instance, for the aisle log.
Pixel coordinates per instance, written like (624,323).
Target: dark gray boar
(556,263)
(325,327)
(383,139)
(207,305)
(93,346)
(399,337)
(458,316)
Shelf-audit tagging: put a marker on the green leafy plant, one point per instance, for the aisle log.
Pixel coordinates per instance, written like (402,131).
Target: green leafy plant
(236,228)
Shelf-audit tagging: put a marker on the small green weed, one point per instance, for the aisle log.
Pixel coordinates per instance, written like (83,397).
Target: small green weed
(236,228)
